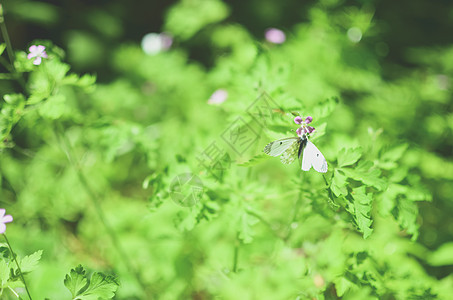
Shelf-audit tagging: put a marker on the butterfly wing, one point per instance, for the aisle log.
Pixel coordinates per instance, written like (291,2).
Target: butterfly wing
(313,157)
(290,154)
(277,147)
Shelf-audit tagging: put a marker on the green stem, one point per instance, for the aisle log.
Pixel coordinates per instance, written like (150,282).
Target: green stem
(236,254)
(10,52)
(18,267)
(6,76)
(64,143)
(325,179)
(9,47)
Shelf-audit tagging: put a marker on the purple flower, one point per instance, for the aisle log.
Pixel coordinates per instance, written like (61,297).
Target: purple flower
(275,36)
(37,52)
(218,97)
(304,128)
(4,219)
(153,43)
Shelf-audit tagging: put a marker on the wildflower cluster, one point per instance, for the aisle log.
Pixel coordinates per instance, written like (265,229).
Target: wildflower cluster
(304,128)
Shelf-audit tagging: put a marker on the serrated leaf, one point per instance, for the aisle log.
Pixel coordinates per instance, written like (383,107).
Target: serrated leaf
(362,205)
(30,262)
(101,286)
(254,160)
(325,108)
(407,217)
(53,107)
(246,222)
(388,199)
(86,81)
(365,173)
(338,185)
(56,70)
(349,156)
(76,280)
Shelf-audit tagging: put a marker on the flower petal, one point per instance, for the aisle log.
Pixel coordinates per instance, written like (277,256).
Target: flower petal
(275,36)
(40,48)
(298,120)
(7,219)
(44,54)
(308,120)
(31,55)
(32,48)
(299,131)
(310,129)
(218,97)
(2,228)
(37,61)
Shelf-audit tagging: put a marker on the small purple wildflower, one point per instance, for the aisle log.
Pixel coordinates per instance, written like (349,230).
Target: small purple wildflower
(153,43)
(37,52)
(218,97)
(304,128)
(4,219)
(275,36)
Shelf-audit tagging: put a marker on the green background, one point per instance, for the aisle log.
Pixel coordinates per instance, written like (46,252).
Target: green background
(80,154)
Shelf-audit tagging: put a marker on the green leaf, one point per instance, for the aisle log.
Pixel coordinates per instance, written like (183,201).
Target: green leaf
(86,82)
(442,256)
(342,285)
(4,272)
(10,113)
(365,173)
(338,185)
(394,153)
(76,280)
(40,87)
(245,227)
(362,206)
(101,286)
(407,217)
(325,108)
(54,107)
(349,156)
(56,70)
(189,16)
(30,262)
(14,99)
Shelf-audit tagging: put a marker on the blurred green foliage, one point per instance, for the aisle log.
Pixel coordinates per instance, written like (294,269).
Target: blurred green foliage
(77,155)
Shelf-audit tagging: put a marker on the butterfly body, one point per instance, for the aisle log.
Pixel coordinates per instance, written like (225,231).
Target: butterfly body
(300,147)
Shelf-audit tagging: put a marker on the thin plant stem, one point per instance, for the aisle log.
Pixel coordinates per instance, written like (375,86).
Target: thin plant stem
(10,52)
(9,47)
(64,143)
(18,267)
(236,254)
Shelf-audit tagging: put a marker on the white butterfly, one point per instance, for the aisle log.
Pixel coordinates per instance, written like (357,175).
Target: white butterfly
(290,148)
